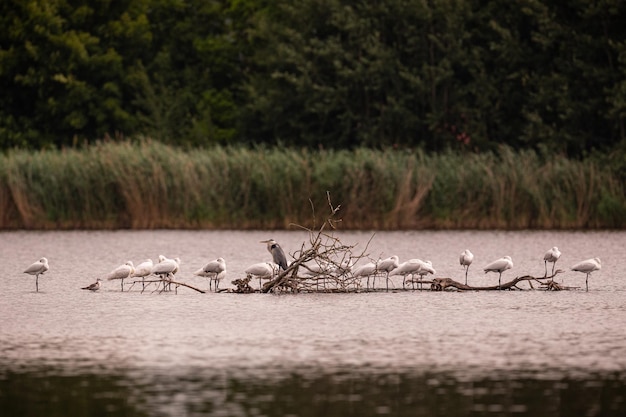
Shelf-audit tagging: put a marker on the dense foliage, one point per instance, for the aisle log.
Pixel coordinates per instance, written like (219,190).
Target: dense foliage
(151,185)
(437,74)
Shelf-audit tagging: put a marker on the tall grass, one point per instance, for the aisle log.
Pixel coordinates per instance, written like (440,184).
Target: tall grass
(150,185)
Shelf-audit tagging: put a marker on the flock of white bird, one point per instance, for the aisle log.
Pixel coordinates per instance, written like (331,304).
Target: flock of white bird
(215,270)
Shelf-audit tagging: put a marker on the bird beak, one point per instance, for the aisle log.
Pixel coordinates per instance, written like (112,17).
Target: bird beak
(263,241)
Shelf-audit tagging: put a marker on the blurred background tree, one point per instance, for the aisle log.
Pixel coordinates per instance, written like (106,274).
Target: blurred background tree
(437,74)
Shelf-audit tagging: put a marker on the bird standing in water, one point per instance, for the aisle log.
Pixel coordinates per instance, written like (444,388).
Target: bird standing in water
(499,266)
(466,260)
(552,255)
(36,269)
(93,287)
(587,267)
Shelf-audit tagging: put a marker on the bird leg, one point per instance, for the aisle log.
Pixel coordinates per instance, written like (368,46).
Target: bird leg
(37,282)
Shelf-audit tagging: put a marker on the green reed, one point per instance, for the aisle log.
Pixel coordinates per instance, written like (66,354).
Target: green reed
(150,185)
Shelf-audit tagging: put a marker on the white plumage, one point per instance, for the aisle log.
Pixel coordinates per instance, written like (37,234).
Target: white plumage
(36,269)
(466,260)
(262,270)
(214,270)
(122,272)
(143,269)
(387,265)
(587,267)
(499,266)
(552,255)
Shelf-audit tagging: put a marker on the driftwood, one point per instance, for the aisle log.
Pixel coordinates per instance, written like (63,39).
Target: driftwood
(167,282)
(243,285)
(324,264)
(440,284)
(322,249)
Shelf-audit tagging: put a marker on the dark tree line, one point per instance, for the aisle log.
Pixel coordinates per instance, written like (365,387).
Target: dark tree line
(436,74)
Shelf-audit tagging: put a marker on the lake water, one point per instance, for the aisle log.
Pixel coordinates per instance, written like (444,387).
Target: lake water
(69,352)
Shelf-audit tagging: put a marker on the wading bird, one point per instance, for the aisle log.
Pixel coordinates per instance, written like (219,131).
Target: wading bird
(214,271)
(122,272)
(499,266)
(366,270)
(409,267)
(36,269)
(387,265)
(143,270)
(552,255)
(466,260)
(426,267)
(587,267)
(166,268)
(262,270)
(93,287)
(278,256)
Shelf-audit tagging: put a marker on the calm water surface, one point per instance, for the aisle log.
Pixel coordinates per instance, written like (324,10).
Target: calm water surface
(64,351)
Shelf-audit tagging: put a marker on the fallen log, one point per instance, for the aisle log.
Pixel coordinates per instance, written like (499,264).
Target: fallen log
(167,281)
(440,284)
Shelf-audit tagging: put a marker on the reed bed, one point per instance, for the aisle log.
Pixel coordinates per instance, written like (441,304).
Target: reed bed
(143,185)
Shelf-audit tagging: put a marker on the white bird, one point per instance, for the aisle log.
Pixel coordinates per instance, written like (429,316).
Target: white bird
(499,266)
(466,260)
(166,268)
(365,270)
(262,270)
(387,265)
(587,267)
(143,270)
(341,268)
(122,272)
(278,255)
(214,270)
(93,287)
(551,255)
(426,267)
(409,267)
(36,269)
(319,267)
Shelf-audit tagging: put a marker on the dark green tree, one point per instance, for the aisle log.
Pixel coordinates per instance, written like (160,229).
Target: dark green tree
(68,69)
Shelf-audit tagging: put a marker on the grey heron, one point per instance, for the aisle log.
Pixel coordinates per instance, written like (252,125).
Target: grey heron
(587,267)
(466,260)
(36,269)
(552,255)
(93,287)
(122,272)
(499,266)
(278,256)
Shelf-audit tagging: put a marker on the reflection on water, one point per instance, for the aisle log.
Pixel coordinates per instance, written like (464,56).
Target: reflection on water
(348,393)
(69,352)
